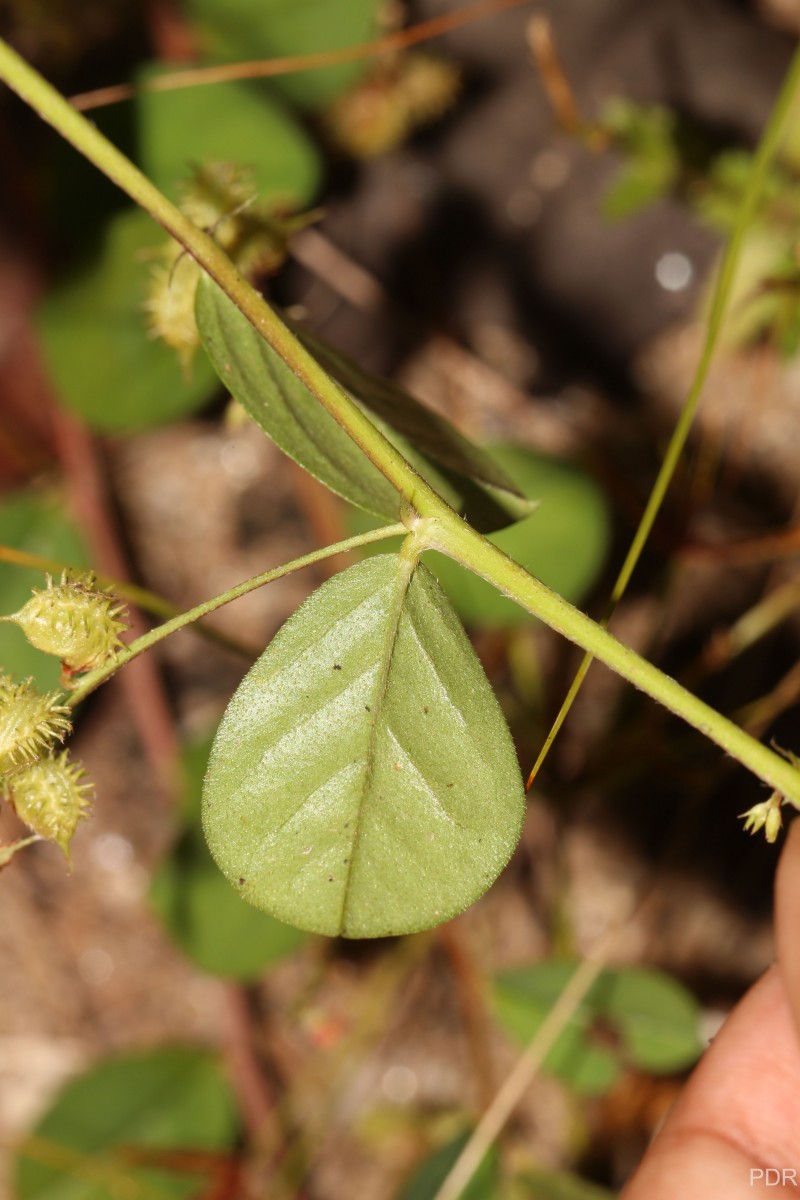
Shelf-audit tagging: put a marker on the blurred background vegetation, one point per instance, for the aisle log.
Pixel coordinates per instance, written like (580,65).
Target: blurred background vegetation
(516,223)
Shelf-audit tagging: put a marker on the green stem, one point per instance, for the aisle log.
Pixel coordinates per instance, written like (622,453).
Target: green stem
(94,678)
(443,528)
(467,546)
(767,148)
(56,111)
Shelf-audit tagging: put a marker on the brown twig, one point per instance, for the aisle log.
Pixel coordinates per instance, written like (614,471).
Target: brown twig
(471,1000)
(563,101)
(140,680)
(269,68)
(766,548)
(256,1102)
(557,87)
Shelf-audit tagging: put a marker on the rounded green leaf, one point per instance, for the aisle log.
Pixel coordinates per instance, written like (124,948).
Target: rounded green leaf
(106,367)
(233,122)
(83,1147)
(37,523)
(656,1016)
(363,781)
(522,1000)
(655,1019)
(214,927)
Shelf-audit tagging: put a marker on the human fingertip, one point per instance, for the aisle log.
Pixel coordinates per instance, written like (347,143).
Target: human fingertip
(787,916)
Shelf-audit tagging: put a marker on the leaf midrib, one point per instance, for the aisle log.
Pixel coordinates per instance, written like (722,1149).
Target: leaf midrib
(406,567)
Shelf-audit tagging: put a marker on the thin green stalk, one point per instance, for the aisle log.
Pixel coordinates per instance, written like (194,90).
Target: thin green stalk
(8,851)
(94,678)
(765,153)
(143,598)
(440,525)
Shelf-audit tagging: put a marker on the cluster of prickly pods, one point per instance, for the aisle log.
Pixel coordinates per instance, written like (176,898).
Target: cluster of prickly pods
(79,623)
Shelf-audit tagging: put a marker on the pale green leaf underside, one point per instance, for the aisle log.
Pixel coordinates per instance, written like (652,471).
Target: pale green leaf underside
(363,781)
(295,420)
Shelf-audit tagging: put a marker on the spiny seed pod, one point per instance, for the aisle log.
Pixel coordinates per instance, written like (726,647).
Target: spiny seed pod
(220,198)
(429,87)
(51,796)
(30,723)
(169,306)
(217,194)
(75,620)
(388,104)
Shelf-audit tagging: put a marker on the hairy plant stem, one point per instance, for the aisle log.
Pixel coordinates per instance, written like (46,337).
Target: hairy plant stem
(440,526)
(93,679)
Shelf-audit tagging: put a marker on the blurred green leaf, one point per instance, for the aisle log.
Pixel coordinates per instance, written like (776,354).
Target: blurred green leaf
(564,542)
(429,1176)
(37,523)
(219,931)
(253,29)
(164,1099)
(80,199)
(347,787)
(106,367)
(654,1017)
(233,123)
(637,185)
(522,1000)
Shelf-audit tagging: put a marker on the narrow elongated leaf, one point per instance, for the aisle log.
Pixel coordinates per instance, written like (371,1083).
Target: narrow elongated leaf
(431,433)
(287,411)
(284,408)
(363,780)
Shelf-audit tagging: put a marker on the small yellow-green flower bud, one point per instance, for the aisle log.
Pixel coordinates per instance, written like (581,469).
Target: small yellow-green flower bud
(30,723)
(51,796)
(73,619)
(767,816)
